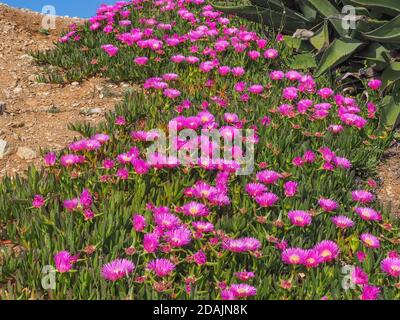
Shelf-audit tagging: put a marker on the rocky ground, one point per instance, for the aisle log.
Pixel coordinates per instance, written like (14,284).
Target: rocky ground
(35,115)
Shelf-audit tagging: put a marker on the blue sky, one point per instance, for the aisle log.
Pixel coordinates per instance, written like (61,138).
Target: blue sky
(79,8)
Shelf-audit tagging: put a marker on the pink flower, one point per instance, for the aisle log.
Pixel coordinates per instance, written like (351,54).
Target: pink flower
(50,159)
(327,250)
(370,241)
(276,75)
(254,55)
(255,189)
(268,199)
(141,61)
(238,71)
(271,54)
(110,49)
(241,245)
(268,176)
(361,256)
(363,196)
(179,237)
(256,89)
(391,266)
(71,205)
(359,277)
(117,269)
(368,214)
(38,201)
(161,267)
(375,84)
(290,93)
(150,242)
(166,220)
(243,290)
(86,199)
(64,261)
(195,209)
(293,256)
(172,93)
(328,205)
(300,218)
(290,188)
(312,258)
(203,226)
(370,293)
(342,222)
(200,258)
(139,222)
(244,275)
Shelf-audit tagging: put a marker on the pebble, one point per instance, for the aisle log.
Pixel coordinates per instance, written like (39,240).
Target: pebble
(26,153)
(4,148)
(2,107)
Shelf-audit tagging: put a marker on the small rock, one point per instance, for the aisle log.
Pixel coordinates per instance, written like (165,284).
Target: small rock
(94,111)
(17,90)
(74,84)
(3,148)
(2,107)
(26,153)
(53,109)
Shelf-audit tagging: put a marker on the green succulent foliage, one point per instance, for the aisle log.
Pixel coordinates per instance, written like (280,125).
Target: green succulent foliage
(373,42)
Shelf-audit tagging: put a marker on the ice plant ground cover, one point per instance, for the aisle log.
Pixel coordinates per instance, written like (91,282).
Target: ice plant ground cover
(116,224)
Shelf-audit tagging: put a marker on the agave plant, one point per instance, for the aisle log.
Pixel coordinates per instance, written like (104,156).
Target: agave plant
(370,35)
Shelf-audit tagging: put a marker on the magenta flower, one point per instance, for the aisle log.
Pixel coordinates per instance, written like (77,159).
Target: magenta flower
(244,275)
(71,204)
(117,269)
(243,290)
(203,226)
(38,201)
(362,196)
(342,222)
(370,292)
(328,205)
(290,188)
(327,250)
(172,93)
(86,199)
(241,245)
(255,189)
(266,200)
(111,50)
(312,258)
(271,54)
(161,267)
(359,277)
(195,209)
(256,89)
(150,242)
(370,241)
(268,176)
(141,61)
(368,214)
(139,222)
(294,256)
(50,159)
(300,218)
(64,261)
(391,266)
(179,237)
(375,84)
(166,220)
(200,258)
